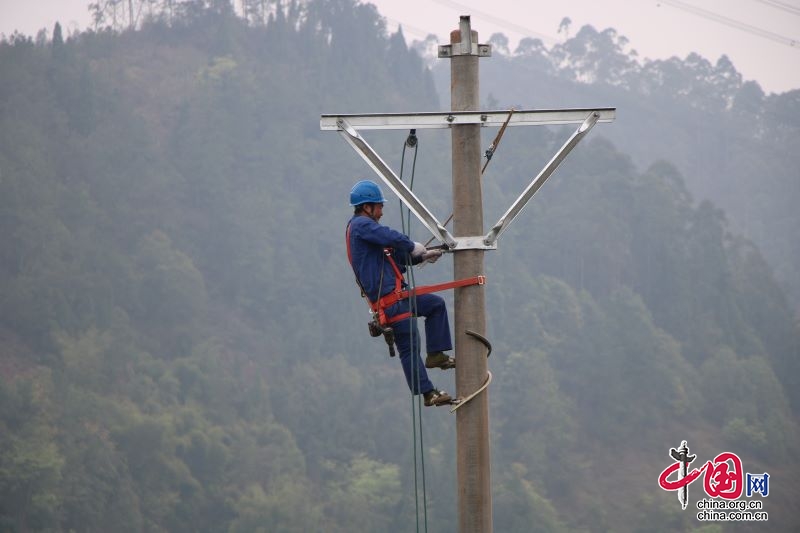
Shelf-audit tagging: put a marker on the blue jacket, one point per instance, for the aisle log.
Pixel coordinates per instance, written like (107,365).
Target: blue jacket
(367,241)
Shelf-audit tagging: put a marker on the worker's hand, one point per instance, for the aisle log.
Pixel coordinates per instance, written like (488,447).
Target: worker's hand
(431,256)
(419,250)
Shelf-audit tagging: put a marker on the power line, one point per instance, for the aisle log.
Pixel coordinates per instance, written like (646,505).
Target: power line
(710,15)
(789,8)
(498,21)
(407,28)
(704,13)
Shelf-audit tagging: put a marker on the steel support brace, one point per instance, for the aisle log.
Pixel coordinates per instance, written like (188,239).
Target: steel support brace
(445,120)
(409,199)
(395,184)
(538,181)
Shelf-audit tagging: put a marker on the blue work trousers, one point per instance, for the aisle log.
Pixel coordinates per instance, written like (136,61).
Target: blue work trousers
(406,336)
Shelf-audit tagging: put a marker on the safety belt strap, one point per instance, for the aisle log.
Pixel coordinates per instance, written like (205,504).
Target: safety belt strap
(399,294)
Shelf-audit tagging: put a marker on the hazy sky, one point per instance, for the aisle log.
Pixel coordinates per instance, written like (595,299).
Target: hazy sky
(656,29)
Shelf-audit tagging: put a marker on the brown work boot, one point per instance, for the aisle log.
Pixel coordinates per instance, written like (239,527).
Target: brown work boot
(437,397)
(439,360)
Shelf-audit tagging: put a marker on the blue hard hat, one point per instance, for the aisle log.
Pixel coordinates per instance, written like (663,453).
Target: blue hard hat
(366,192)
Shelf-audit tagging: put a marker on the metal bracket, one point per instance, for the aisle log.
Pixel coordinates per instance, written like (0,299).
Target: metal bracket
(480,50)
(466,47)
(477,242)
(539,180)
(395,184)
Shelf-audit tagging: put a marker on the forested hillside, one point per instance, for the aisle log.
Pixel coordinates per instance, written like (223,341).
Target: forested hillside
(183,348)
(733,144)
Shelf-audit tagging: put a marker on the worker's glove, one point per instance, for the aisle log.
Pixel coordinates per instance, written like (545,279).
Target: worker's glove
(418,251)
(431,255)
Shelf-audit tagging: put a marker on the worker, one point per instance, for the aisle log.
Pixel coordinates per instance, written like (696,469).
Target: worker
(379,256)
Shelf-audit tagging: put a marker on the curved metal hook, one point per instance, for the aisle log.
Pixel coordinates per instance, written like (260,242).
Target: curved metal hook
(483,340)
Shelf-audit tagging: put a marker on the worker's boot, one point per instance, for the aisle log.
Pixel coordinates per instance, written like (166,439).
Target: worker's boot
(439,360)
(437,397)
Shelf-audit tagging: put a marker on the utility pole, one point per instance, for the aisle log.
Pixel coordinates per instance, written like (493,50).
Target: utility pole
(472,420)
(469,242)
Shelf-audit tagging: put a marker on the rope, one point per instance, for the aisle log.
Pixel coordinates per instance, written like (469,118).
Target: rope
(416,400)
(416,416)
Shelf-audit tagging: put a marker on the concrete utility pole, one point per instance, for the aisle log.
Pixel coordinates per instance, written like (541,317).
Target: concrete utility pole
(469,242)
(472,420)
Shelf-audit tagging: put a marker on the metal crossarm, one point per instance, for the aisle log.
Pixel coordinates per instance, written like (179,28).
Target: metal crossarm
(552,165)
(440,120)
(348,126)
(394,183)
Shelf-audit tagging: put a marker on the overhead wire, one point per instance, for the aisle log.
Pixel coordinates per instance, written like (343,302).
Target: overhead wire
(727,21)
(678,4)
(705,13)
(408,28)
(522,30)
(789,8)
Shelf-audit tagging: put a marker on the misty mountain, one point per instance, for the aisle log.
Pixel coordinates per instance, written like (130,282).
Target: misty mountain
(183,347)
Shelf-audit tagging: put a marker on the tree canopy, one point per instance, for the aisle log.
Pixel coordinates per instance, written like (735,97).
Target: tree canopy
(182,347)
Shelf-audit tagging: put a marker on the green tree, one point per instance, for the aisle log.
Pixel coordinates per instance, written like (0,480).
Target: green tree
(518,507)
(30,462)
(363,495)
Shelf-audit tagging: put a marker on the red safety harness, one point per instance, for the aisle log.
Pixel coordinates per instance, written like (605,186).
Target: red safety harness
(399,293)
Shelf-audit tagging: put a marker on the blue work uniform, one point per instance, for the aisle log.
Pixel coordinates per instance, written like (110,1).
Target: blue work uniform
(377,278)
